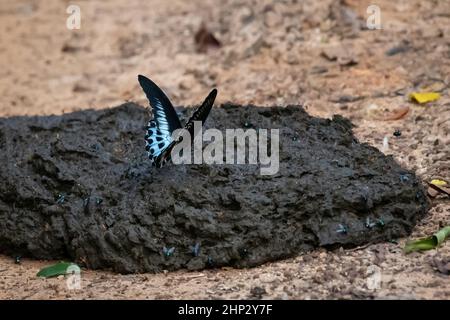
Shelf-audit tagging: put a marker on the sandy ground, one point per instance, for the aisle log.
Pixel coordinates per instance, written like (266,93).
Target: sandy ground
(316,53)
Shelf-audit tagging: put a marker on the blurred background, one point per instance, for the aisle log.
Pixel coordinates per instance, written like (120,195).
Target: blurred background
(317,53)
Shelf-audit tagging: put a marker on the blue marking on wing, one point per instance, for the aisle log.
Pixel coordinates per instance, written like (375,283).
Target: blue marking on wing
(156,141)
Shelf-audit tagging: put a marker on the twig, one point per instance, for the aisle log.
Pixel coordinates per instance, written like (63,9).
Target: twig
(360,247)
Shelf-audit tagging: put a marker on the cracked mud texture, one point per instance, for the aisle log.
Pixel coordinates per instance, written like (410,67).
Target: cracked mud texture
(80,187)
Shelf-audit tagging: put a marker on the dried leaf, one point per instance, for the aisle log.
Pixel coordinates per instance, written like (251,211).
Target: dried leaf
(438,182)
(441,189)
(442,265)
(432,192)
(424,97)
(204,39)
(397,114)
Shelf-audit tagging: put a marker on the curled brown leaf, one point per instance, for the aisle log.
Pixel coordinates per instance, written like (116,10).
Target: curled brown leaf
(397,114)
(204,39)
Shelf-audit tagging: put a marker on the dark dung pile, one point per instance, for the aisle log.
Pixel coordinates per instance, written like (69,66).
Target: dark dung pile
(79,187)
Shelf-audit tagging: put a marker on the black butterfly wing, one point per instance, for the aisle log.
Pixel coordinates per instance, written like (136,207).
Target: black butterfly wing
(165,120)
(165,115)
(202,112)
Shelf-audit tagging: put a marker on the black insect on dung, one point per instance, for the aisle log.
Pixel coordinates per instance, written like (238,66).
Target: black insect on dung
(369,224)
(397,133)
(243,252)
(168,251)
(196,250)
(247,124)
(342,229)
(364,197)
(404,178)
(60,199)
(88,205)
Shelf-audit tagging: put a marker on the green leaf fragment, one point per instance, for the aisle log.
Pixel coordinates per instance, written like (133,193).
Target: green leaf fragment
(56,270)
(428,243)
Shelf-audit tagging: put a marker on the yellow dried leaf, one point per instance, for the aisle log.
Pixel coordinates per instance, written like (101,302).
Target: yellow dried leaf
(424,97)
(438,182)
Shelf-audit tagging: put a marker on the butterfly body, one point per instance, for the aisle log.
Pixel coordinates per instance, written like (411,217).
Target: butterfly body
(159,140)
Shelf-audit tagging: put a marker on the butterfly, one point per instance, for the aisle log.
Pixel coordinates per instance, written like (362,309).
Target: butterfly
(159,141)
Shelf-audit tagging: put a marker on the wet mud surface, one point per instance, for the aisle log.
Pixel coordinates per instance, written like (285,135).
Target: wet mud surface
(79,187)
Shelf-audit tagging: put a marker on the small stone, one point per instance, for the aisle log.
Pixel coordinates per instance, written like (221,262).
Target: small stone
(292,58)
(396,50)
(258,292)
(272,19)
